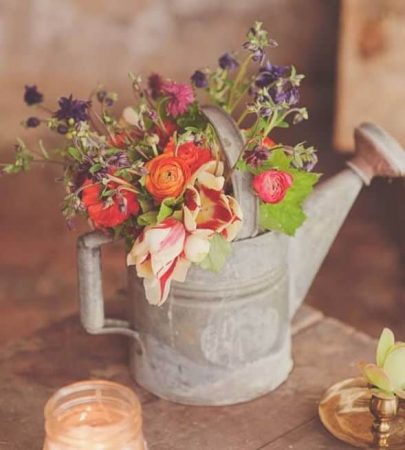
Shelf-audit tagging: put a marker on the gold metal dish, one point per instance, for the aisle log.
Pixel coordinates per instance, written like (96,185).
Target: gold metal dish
(345,412)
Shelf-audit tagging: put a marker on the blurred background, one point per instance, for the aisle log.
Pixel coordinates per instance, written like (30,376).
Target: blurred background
(70,46)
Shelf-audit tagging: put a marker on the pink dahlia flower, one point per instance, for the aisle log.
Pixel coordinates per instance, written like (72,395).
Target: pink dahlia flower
(180,97)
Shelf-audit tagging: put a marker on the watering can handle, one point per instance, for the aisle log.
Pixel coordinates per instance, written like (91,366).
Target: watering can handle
(91,289)
(232,143)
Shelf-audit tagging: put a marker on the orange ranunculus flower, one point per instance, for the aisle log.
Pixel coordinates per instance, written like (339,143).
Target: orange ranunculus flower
(167,176)
(193,155)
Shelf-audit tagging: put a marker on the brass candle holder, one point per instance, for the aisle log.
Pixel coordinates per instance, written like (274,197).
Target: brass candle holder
(363,417)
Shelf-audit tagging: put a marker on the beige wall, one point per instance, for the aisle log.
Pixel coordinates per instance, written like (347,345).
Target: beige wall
(69,45)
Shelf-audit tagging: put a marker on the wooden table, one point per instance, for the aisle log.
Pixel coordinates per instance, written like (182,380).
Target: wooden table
(325,351)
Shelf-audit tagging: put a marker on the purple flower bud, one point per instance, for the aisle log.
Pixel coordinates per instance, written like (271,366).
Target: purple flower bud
(155,83)
(108,101)
(32,96)
(199,79)
(62,129)
(227,61)
(32,122)
(101,95)
(256,156)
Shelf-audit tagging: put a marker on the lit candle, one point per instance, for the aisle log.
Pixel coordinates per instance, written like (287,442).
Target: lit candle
(94,415)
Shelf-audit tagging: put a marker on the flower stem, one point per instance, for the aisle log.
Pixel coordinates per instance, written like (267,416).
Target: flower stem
(237,81)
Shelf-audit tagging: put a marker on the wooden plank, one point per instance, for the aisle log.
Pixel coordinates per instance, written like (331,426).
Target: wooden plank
(371,68)
(32,369)
(309,436)
(306,317)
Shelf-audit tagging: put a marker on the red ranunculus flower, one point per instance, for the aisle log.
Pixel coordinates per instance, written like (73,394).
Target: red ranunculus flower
(193,155)
(105,215)
(272,185)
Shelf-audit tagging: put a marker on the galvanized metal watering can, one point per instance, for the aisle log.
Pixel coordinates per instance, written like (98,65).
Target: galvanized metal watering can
(225,338)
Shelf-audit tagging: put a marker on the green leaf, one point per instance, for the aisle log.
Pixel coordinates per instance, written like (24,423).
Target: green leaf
(284,217)
(148,218)
(75,153)
(386,341)
(95,168)
(220,248)
(165,210)
(288,215)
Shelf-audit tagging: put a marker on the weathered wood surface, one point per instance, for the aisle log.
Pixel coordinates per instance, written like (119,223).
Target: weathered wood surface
(325,351)
(371,68)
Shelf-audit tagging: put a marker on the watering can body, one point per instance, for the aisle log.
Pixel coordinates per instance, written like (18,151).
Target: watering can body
(224,338)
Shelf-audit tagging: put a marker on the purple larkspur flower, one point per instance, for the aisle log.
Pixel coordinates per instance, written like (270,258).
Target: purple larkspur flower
(199,79)
(32,122)
(269,73)
(32,96)
(227,61)
(70,108)
(120,159)
(256,156)
(287,93)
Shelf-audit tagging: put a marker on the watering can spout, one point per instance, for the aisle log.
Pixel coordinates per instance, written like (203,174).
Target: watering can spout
(377,154)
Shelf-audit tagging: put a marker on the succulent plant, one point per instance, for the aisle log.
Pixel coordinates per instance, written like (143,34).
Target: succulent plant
(387,376)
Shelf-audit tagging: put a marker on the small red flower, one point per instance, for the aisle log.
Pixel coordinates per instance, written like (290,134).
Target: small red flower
(105,215)
(272,185)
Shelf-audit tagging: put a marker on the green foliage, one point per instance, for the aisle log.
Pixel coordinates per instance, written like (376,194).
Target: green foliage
(220,249)
(288,215)
(23,159)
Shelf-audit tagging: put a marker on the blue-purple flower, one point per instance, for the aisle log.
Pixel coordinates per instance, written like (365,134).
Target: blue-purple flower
(269,73)
(286,93)
(199,79)
(227,61)
(70,108)
(32,96)
(256,156)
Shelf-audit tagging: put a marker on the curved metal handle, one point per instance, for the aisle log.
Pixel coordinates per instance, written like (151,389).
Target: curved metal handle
(232,144)
(378,154)
(91,290)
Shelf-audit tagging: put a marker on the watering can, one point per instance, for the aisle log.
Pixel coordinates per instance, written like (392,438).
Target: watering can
(225,338)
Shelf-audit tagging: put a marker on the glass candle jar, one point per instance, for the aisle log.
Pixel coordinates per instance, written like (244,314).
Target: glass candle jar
(94,415)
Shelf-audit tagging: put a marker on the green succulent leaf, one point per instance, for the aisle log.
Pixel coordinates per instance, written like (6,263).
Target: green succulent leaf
(377,377)
(394,367)
(220,248)
(386,341)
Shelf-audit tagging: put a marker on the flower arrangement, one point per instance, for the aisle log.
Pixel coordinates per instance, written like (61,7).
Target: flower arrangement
(156,176)
(387,376)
